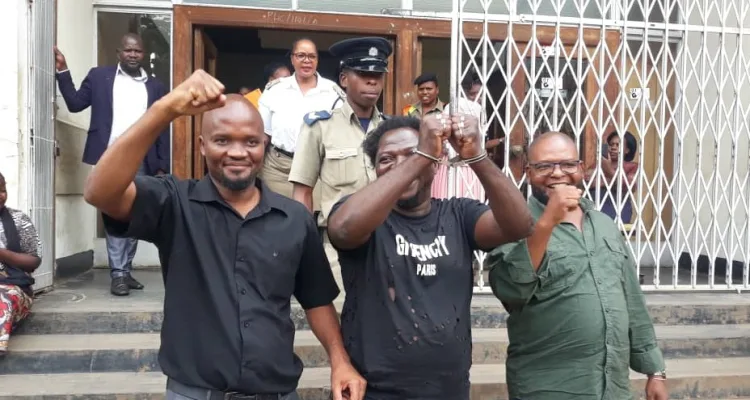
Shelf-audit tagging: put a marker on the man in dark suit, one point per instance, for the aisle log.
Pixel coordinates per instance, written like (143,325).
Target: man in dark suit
(118,96)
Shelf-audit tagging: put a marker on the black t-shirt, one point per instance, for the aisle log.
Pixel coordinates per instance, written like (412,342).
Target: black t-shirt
(406,319)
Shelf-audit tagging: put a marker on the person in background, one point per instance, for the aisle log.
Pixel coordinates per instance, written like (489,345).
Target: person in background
(283,105)
(609,165)
(118,95)
(329,150)
(244,90)
(577,317)
(271,72)
(233,253)
(466,182)
(20,256)
(407,258)
(428,91)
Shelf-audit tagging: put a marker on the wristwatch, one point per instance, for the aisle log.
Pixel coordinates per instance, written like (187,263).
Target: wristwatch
(662,375)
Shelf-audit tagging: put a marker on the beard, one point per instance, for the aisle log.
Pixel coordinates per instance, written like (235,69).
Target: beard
(410,203)
(236,184)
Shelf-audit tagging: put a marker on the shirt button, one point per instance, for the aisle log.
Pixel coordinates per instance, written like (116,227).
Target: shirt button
(247,324)
(241,259)
(243,292)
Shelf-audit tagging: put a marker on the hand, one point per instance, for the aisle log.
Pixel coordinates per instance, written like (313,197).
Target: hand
(347,383)
(465,137)
(160,173)
(656,389)
(562,200)
(60,63)
(199,93)
(432,132)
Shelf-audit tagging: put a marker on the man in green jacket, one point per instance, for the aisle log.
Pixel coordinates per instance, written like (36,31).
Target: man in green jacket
(578,320)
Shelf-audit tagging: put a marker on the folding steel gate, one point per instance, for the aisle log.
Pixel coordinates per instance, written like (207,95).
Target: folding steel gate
(673,73)
(42,145)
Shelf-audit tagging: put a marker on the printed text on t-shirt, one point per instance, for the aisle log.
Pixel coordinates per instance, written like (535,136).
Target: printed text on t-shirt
(423,252)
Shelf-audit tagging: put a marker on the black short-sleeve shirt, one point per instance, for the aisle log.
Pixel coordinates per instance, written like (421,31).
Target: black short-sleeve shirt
(406,318)
(229,280)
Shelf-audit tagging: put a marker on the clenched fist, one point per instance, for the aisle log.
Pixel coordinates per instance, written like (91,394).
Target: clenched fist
(465,138)
(199,93)
(562,200)
(432,132)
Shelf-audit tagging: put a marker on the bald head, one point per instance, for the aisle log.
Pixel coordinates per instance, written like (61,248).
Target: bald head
(237,109)
(552,142)
(131,38)
(233,142)
(130,54)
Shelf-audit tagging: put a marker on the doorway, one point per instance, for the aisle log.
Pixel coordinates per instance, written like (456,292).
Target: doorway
(236,56)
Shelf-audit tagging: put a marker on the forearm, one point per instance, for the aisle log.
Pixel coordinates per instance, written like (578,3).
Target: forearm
(120,162)
(26,262)
(303,194)
(368,208)
(325,325)
(645,355)
(505,200)
(537,242)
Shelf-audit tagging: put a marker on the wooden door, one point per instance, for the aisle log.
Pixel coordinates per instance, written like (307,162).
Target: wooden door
(204,57)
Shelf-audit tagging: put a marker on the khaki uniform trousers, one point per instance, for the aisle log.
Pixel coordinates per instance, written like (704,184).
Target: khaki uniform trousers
(275,175)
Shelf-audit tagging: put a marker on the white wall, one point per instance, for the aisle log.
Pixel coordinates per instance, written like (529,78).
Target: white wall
(13,115)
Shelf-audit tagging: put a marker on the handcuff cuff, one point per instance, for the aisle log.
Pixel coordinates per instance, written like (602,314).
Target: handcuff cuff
(453,162)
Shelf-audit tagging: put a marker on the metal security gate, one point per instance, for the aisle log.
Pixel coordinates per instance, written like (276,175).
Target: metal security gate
(674,74)
(42,137)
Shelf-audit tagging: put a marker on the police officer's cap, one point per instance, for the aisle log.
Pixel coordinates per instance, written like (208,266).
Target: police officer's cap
(368,54)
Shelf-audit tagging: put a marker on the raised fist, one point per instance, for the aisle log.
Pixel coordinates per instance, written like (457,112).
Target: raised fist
(562,200)
(199,93)
(433,130)
(465,137)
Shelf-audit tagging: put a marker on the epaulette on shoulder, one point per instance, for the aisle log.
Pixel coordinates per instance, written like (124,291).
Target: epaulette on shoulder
(315,116)
(272,83)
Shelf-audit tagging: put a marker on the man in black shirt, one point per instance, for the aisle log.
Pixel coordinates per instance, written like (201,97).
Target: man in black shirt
(232,252)
(406,259)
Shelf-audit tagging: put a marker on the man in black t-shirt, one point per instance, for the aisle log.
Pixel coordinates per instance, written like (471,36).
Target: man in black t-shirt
(406,259)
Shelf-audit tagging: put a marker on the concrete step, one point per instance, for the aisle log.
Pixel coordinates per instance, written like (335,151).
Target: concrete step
(137,352)
(689,379)
(83,304)
(63,312)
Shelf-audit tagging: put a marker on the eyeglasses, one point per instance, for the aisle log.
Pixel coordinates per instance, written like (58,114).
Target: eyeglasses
(303,56)
(547,168)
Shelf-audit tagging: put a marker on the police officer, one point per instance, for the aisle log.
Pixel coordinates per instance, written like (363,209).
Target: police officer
(329,146)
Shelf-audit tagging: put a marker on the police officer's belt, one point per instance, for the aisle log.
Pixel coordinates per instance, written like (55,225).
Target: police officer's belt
(284,152)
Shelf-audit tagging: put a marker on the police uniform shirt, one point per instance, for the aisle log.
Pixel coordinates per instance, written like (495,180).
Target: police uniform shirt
(282,107)
(416,344)
(415,110)
(330,148)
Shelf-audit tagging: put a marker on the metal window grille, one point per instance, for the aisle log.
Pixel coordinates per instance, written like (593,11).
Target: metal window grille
(674,73)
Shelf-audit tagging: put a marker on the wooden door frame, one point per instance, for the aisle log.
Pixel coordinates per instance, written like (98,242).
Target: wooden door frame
(407,33)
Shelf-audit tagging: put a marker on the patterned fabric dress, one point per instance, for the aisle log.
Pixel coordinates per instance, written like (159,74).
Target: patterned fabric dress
(15,301)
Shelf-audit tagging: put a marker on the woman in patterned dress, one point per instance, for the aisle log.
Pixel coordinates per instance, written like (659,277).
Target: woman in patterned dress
(20,251)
